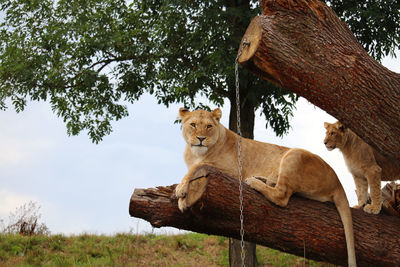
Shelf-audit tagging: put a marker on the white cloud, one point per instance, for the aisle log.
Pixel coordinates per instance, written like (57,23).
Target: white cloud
(9,201)
(22,139)
(17,151)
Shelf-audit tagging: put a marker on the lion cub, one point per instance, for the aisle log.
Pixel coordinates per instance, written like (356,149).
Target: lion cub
(208,142)
(367,166)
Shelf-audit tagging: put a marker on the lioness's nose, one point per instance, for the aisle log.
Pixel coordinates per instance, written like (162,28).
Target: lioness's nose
(325,142)
(201,139)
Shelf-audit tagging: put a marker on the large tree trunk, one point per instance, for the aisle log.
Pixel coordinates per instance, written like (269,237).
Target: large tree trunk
(247,129)
(237,25)
(304,227)
(302,46)
(247,116)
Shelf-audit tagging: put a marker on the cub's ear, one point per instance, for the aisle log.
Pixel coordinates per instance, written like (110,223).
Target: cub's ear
(217,114)
(326,125)
(183,112)
(340,126)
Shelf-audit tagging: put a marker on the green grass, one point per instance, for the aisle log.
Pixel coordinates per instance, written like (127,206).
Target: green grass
(190,249)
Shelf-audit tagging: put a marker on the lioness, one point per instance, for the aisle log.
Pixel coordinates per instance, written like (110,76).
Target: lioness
(293,170)
(367,166)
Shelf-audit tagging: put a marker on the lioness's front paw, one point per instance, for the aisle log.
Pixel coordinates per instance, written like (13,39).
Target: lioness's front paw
(255,183)
(250,180)
(182,205)
(373,209)
(181,189)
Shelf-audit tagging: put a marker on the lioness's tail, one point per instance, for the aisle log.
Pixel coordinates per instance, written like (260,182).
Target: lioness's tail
(343,208)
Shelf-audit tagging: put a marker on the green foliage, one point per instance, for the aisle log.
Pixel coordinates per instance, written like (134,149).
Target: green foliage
(64,51)
(90,58)
(375,23)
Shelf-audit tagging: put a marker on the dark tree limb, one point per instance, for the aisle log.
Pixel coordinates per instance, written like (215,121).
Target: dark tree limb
(303,225)
(302,46)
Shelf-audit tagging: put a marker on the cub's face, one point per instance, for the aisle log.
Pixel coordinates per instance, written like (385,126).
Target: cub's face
(334,136)
(200,129)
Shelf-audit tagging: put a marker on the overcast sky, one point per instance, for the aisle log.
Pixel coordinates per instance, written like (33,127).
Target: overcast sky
(83,187)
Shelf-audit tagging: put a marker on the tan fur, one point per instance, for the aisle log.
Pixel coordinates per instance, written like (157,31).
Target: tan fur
(293,170)
(367,166)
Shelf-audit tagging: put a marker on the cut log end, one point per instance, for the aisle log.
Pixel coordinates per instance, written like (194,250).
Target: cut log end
(250,55)
(252,38)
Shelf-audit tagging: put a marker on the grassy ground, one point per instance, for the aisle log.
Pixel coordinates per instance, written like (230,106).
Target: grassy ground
(130,250)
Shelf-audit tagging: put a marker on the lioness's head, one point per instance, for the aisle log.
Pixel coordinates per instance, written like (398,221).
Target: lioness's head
(335,135)
(200,128)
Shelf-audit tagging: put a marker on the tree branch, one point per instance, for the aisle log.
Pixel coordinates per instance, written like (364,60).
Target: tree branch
(303,225)
(302,46)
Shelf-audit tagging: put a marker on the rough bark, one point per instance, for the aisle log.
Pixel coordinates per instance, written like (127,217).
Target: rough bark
(304,227)
(301,45)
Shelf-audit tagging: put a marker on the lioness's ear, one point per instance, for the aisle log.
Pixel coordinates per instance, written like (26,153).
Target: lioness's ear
(183,112)
(326,125)
(217,114)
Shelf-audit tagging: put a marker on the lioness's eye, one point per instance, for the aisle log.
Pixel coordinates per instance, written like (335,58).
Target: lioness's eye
(332,133)
(193,125)
(209,126)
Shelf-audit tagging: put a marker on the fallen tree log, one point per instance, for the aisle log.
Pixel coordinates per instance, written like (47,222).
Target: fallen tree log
(304,227)
(302,46)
